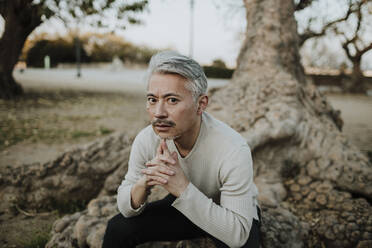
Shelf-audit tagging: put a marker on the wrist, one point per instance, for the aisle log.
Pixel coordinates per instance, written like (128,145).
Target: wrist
(183,188)
(141,184)
(139,193)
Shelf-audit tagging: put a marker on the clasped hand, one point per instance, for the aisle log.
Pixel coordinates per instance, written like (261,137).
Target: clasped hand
(165,170)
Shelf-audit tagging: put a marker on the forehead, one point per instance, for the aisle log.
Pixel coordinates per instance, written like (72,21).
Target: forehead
(163,83)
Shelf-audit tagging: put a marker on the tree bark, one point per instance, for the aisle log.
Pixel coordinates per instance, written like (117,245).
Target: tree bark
(356,83)
(74,177)
(302,161)
(21,18)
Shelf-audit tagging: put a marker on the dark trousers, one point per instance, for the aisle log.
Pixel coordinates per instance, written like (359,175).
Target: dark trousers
(161,222)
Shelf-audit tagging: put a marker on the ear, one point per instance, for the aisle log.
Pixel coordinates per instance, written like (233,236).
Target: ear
(202,103)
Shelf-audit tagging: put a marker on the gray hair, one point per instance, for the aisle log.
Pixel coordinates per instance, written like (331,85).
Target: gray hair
(173,62)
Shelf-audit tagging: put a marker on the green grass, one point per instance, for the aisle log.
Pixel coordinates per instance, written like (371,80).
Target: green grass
(38,241)
(79,134)
(48,130)
(76,134)
(65,116)
(104,130)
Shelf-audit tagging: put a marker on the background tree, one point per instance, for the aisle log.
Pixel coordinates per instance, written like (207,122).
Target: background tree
(330,27)
(303,163)
(59,51)
(105,47)
(321,53)
(346,24)
(219,63)
(23,16)
(95,47)
(218,69)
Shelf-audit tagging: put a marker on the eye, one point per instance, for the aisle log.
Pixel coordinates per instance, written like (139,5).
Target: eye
(172,100)
(151,100)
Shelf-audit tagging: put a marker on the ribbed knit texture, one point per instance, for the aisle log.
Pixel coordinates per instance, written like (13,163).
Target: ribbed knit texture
(221,196)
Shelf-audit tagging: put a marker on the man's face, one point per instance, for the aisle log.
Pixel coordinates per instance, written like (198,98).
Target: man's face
(170,105)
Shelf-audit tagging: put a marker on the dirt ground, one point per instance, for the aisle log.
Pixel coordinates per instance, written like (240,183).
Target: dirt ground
(47,122)
(44,124)
(356,112)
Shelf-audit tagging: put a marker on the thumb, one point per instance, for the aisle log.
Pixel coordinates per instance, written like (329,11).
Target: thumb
(164,147)
(159,150)
(174,156)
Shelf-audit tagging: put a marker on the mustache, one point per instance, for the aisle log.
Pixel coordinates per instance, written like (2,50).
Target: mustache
(162,122)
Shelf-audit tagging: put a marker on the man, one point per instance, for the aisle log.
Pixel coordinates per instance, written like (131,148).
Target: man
(204,165)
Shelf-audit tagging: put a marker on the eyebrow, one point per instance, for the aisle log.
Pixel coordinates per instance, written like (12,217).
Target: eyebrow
(164,96)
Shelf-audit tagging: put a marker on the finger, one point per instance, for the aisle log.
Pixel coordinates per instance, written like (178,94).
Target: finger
(167,159)
(156,178)
(154,162)
(151,163)
(166,170)
(165,148)
(162,169)
(175,156)
(152,183)
(159,150)
(157,173)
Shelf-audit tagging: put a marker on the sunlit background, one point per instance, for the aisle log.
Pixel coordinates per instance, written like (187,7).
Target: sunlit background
(82,82)
(218,30)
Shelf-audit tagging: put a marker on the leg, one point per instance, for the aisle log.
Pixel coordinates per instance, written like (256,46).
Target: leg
(254,235)
(158,222)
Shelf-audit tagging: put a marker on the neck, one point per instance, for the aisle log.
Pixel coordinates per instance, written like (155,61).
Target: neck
(187,140)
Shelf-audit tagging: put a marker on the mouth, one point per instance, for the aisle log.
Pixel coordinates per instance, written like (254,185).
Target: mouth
(162,127)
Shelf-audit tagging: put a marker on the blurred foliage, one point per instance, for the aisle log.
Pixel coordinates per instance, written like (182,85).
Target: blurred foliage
(218,69)
(59,51)
(95,47)
(108,14)
(22,17)
(219,63)
(105,47)
(216,72)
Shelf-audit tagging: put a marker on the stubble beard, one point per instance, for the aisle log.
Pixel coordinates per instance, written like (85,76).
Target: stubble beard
(169,137)
(166,122)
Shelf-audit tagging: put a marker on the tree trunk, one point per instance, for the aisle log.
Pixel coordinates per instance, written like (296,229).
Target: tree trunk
(21,18)
(357,84)
(302,161)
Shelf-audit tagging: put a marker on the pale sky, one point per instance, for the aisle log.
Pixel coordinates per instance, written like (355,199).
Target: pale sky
(217,30)
(166,25)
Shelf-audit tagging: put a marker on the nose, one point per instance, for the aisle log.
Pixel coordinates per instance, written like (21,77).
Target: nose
(160,110)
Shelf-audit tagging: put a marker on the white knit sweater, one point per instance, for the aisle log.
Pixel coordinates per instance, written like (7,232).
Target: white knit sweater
(221,195)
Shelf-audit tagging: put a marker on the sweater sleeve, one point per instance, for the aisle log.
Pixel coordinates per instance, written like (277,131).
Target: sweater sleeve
(137,160)
(230,221)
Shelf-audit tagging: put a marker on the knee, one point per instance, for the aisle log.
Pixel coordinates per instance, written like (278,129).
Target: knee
(119,226)
(120,231)
(114,223)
